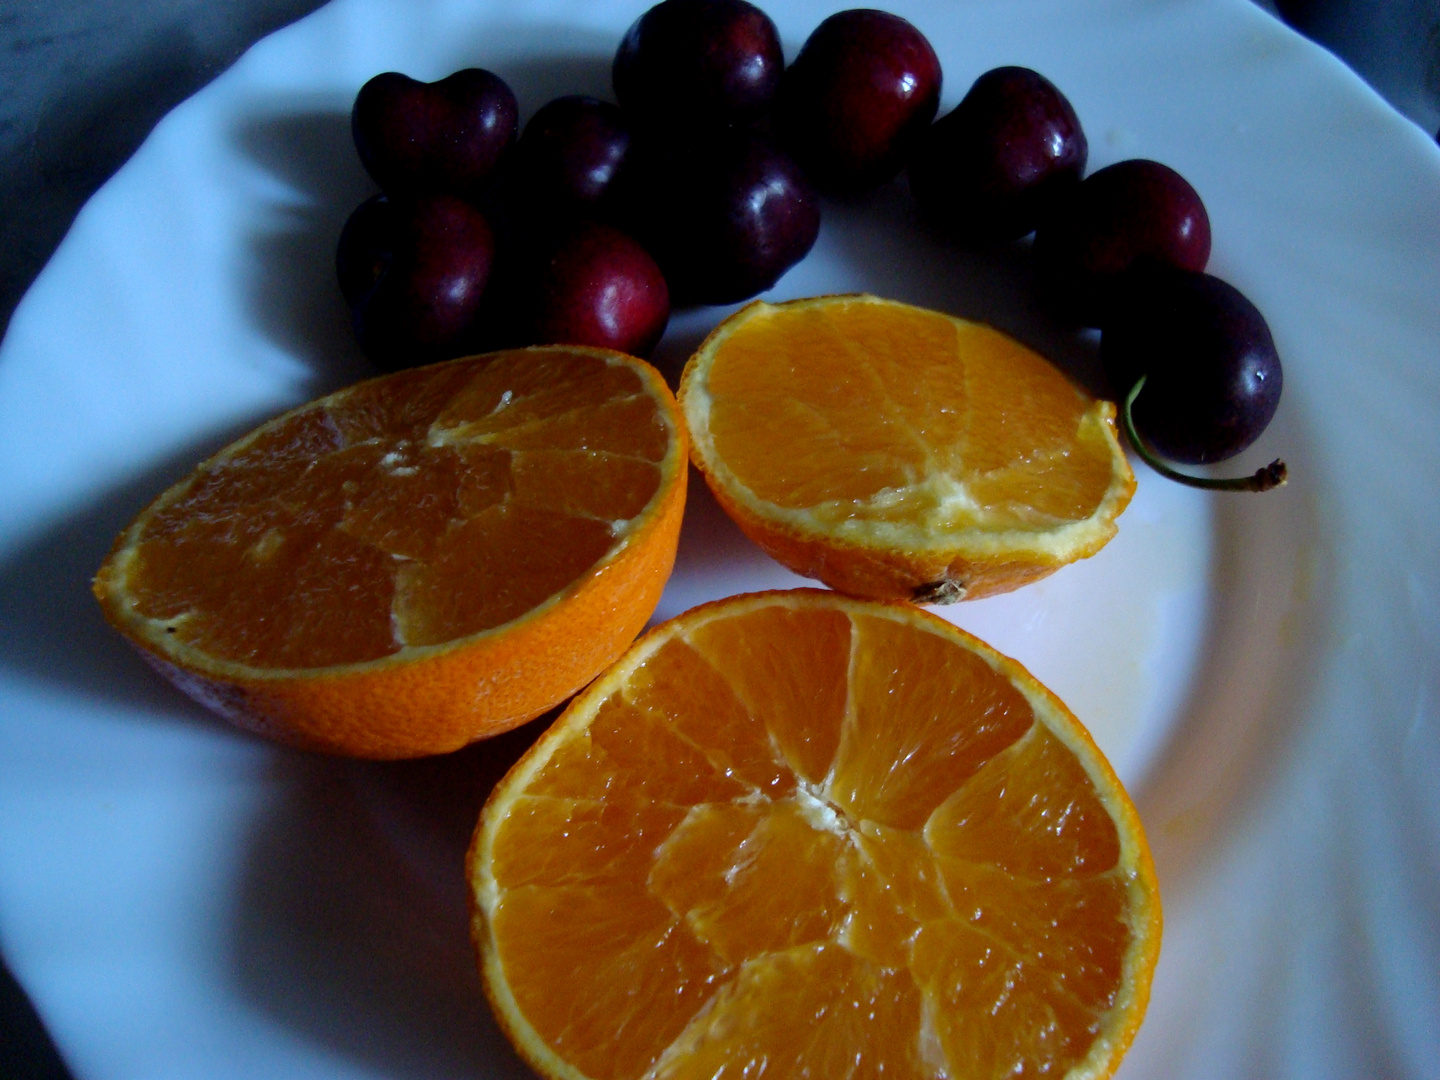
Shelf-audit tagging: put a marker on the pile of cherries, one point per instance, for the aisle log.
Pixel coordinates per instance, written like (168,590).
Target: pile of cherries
(700,187)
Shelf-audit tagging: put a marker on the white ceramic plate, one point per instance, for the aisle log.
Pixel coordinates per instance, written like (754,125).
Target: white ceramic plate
(184,901)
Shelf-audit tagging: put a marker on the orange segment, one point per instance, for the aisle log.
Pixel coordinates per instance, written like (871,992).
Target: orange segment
(751,916)
(417,561)
(932,873)
(899,453)
(803,702)
(646,977)
(491,570)
(710,718)
(1031,813)
(928,682)
(688,869)
(803,1013)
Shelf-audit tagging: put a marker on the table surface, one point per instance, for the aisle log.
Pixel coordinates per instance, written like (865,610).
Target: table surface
(82,82)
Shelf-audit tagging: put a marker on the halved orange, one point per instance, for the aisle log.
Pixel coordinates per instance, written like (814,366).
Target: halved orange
(418,561)
(898,453)
(798,835)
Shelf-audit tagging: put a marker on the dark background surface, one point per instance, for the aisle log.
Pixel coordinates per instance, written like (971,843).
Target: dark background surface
(82,82)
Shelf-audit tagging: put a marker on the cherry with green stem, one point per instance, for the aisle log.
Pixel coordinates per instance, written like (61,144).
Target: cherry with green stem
(1207,361)
(1263,479)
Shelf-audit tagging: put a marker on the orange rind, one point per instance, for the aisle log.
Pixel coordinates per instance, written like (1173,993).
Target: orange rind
(799,835)
(897,453)
(418,561)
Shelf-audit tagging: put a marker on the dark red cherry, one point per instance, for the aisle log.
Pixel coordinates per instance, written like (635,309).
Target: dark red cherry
(865,85)
(366,244)
(698,62)
(725,215)
(600,288)
(434,254)
(1212,375)
(570,153)
(988,170)
(427,137)
(1127,212)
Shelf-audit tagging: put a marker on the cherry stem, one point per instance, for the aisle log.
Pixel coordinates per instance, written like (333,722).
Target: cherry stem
(1271,476)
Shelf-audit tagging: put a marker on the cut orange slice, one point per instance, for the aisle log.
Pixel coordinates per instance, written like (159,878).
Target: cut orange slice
(418,561)
(799,835)
(898,453)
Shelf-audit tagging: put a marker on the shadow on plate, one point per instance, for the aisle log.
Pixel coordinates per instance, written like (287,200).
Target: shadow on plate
(711,544)
(1272,613)
(51,628)
(715,559)
(891,252)
(352,924)
(682,337)
(291,287)
(877,243)
(577,64)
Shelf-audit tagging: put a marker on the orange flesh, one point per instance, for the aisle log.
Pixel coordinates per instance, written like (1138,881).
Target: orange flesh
(770,854)
(885,412)
(407,511)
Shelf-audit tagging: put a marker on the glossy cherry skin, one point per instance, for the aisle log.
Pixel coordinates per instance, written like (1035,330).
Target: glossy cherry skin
(445,136)
(1127,212)
(988,170)
(698,62)
(428,260)
(724,215)
(1213,377)
(570,153)
(864,87)
(600,288)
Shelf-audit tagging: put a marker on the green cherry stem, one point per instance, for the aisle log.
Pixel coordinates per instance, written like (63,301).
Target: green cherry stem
(1271,476)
